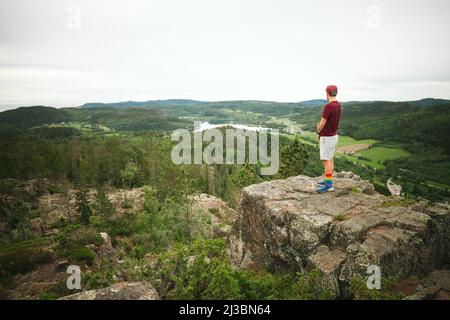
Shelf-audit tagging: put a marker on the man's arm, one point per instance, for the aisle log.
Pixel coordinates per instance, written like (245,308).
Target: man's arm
(321,124)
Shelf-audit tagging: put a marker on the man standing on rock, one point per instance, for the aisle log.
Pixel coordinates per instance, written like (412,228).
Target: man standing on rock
(327,130)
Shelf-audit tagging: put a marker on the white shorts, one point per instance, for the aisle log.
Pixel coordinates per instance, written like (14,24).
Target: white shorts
(328,147)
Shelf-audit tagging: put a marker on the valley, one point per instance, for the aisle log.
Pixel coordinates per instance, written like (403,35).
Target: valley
(95,187)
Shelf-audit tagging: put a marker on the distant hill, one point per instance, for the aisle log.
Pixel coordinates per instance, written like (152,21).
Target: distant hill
(427,102)
(187,102)
(430,102)
(149,103)
(314,103)
(28,117)
(248,104)
(424,122)
(129,119)
(400,122)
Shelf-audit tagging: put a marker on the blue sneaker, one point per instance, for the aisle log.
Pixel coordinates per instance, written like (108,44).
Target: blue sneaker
(321,183)
(325,188)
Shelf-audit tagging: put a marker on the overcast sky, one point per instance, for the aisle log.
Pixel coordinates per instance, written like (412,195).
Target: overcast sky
(65,53)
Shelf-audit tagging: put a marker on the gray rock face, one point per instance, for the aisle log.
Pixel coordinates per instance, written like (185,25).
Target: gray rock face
(286,225)
(221,215)
(436,286)
(118,291)
(55,207)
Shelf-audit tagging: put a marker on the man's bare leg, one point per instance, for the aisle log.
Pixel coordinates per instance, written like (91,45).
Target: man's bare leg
(329,167)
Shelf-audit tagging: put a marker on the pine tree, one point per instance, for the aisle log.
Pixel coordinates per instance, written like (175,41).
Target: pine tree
(185,188)
(83,206)
(102,204)
(247,175)
(293,159)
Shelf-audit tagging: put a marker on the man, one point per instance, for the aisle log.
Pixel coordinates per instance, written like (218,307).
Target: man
(327,130)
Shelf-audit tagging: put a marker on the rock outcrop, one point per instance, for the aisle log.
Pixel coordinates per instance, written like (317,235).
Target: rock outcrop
(436,286)
(286,225)
(56,207)
(220,214)
(118,291)
(104,249)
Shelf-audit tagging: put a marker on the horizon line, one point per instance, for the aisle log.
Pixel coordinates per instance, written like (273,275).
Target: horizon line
(60,105)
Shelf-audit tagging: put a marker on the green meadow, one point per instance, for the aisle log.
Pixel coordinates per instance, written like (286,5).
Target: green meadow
(372,157)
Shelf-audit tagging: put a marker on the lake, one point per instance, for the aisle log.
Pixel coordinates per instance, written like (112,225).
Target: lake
(202,126)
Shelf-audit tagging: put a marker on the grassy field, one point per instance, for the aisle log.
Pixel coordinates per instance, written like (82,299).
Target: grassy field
(381,152)
(360,161)
(376,155)
(345,141)
(302,138)
(373,157)
(97,129)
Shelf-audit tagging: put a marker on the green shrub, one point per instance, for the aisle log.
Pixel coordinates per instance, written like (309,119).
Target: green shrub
(76,235)
(49,296)
(359,290)
(200,271)
(310,286)
(268,286)
(55,188)
(82,254)
(340,217)
(203,271)
(101,278)
(73,240)
(125,225)
(127,204)
(23,261)
(22,257)
(138,252)
(214,211)
(58,289)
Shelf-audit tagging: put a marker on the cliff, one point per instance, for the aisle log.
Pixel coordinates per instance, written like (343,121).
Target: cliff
(285,225)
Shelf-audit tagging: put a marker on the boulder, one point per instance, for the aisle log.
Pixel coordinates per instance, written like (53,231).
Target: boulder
(118,291)
(104,250)
(106,240)
(286,225)
(62,265)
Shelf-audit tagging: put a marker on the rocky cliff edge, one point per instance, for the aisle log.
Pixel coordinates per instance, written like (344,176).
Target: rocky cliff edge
(286,225)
